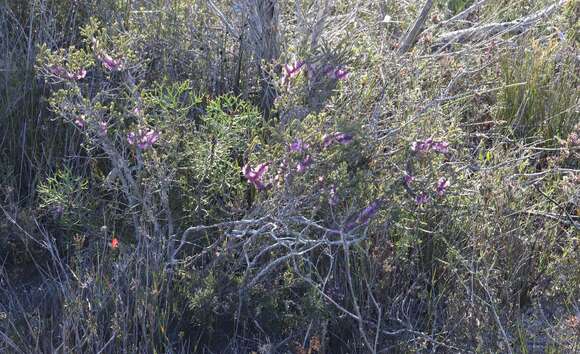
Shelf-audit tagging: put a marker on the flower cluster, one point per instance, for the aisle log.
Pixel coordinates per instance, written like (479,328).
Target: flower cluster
(365,215)
(61,72)
(109,63)
(291,71)
(298,146)
(144,139)
(407,178)
(335,73)
(80,121)
(338,137)
(424,146)
(255,175)
(304,158)
(106,60)
(421,198)
(442,185)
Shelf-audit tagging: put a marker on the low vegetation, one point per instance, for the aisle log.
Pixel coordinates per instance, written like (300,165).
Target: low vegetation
(263,176)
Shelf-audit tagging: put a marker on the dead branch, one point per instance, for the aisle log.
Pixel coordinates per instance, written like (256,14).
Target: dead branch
(413,31)
(491,29)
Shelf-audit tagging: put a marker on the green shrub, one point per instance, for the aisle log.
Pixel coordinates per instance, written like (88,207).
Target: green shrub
(536,99)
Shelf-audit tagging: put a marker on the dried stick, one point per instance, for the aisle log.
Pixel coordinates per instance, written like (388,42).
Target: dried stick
(415,29)
(490,29)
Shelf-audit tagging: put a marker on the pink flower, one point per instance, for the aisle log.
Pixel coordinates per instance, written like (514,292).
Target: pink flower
(148,139)
(407,178)
(109,63)
(421,198)
(291,71)
(80,121)
(132,138)
(79,75)
(442,185)
(424,146)
(143,139)
(328,70)
(255,176)
(298,146)
(440,146)
(340,74)
(367,213)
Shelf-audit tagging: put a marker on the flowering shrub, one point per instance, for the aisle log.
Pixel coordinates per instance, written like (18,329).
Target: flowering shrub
(376,199)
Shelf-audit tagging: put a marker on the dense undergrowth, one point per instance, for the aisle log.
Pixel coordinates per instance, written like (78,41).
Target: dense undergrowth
(305,176)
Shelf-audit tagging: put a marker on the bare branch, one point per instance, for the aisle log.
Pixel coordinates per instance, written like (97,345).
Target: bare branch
(491,29)
(415,29)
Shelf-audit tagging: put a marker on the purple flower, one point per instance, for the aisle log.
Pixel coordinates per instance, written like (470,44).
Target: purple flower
(143,139)
(407,178)
(132,138)
(442,185)
(304,164)
(292,71)
(298,146)
(148,139)
(340,74)
(79,75)
(441,146)
(424,146)
(109,63)
(421,198)
(338,137)
(365,215)
(255,176)
(344,138)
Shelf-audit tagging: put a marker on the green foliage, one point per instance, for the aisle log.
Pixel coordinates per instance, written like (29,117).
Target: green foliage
(456,6)
(345,245)
(536,98)
(66,197)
